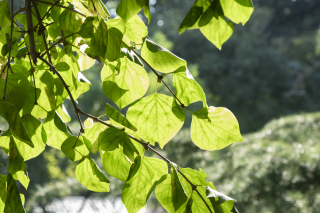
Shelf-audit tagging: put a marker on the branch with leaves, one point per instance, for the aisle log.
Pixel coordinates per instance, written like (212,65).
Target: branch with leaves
(86,32)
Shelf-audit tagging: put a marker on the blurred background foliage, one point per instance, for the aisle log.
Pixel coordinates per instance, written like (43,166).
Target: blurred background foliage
(267,70)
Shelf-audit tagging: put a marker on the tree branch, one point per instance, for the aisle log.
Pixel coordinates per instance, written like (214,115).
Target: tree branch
(56,5)
(33,52)
(55,71)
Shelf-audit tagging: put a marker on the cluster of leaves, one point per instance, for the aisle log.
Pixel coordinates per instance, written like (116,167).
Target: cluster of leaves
(51,44)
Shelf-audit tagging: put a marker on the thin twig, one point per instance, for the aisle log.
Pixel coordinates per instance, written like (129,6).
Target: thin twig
(94,7)
(32,45)
(57,2)
(161,78)
(55,71)
(56,5)
(9,57)
(19,11)
(76,141)
(57,42)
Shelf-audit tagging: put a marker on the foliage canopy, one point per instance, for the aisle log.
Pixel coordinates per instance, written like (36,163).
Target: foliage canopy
(44,48)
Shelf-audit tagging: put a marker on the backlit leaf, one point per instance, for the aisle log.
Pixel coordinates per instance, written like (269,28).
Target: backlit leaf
(178,194)
(74,148)
(88,173)
(136,31)
(218,127)
(118,117)
(238,11)
(116,29)
(157,117)
(17,166)
(92,135)
(69,21)
(160,58)
(143,177)
(188,90)
(129,8)
(214,27)
(13,201)
(127,83)
(56,130)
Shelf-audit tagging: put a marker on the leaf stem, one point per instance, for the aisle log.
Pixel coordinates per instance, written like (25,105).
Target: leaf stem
(57,42)
(160,77)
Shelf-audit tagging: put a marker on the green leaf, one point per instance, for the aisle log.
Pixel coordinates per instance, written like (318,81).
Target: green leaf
(63,113)
(191,18)
(89,27)
(69,21)
(157,117)
(56,130)
(5,17)
(178,195)
(62,66)
(220,202)
(99,42)
(198,179)
(17,128)
(129,8)
(225,30)
(74,148)
(189,206)
(160,58)
(38,137)
(188,90)
(238,11)
(213,25)
(118,117)
(136,31)
(127,83)
(164,191)
(13,201)
(99,6)
(88,173)
(17,166)
(46,83)
(146,11)
(116,29)
(115,163)
(3,191)
(92,135)
(112,139)
(18,87)
(85,62)
(214,128)
(143,176)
